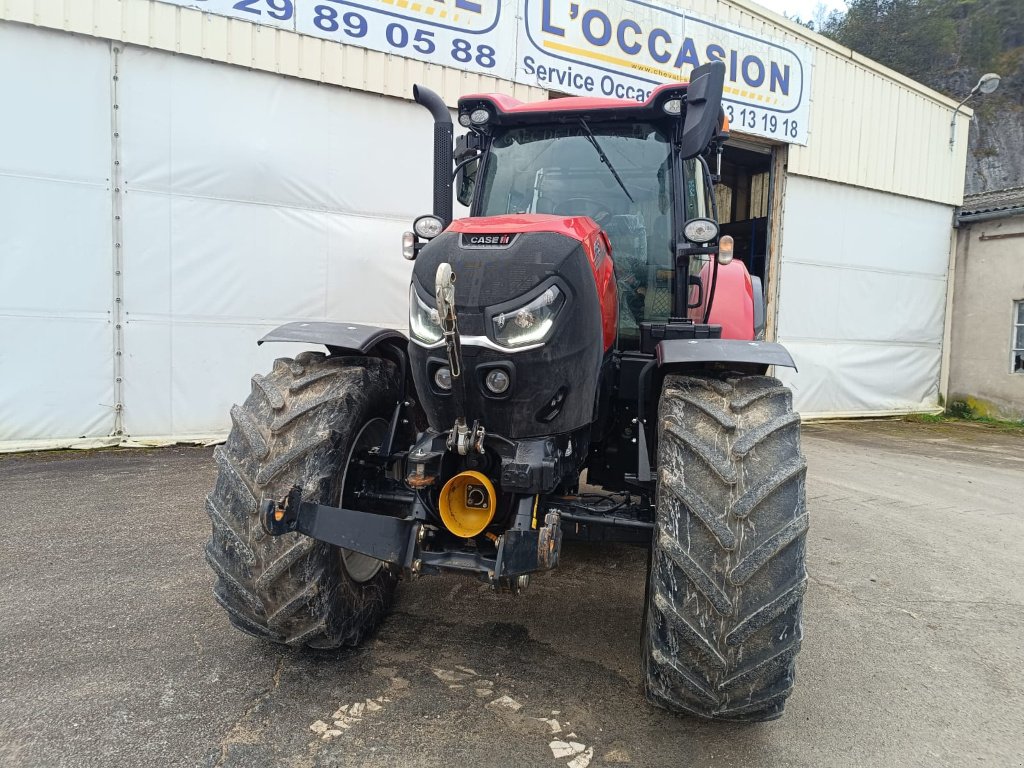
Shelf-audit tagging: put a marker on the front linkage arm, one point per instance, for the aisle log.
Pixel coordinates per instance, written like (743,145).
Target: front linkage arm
(391,539)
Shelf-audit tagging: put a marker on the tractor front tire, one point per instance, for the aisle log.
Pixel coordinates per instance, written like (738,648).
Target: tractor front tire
(725,594)
(300,426)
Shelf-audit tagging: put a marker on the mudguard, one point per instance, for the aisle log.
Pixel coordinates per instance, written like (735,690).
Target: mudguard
(685,352)
(338,337)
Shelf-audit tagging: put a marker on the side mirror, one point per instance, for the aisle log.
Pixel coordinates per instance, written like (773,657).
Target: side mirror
(467,161)
(702,122)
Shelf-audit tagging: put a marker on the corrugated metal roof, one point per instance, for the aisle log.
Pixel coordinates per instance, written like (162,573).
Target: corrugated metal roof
(1009,199)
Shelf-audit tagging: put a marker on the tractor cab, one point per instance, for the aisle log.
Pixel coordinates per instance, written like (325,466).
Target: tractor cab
(619,164)
(638,170)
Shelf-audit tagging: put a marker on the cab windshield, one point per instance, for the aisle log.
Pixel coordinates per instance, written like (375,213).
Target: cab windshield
(618,175)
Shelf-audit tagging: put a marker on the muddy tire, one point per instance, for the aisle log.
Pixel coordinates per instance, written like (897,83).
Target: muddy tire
(722,628)
(299,426)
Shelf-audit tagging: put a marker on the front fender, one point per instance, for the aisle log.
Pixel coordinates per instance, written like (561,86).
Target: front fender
(338,337)
(687,352)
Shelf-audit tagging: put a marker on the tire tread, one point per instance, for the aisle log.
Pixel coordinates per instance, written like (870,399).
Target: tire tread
(722,628)
(295,428)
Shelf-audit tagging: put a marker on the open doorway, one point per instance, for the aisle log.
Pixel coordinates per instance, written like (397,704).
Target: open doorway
(744,198)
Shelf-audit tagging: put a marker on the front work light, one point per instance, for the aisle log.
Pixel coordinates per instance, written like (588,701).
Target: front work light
(479,116)
(673,107)
(531,323)
(700,230)
(428,227)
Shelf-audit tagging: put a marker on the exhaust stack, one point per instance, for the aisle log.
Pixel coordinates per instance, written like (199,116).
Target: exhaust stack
(443,157)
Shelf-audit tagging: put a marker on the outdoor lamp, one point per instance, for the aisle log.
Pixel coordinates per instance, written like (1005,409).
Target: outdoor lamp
(986,84)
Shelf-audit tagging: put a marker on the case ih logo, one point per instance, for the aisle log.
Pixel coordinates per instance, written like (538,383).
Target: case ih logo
(496,240)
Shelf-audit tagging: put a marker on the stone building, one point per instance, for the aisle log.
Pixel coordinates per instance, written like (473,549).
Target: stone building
(987,346)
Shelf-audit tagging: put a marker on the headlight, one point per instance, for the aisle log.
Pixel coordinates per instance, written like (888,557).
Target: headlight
(531,323)
(424,322)
(497,381)
(700,230)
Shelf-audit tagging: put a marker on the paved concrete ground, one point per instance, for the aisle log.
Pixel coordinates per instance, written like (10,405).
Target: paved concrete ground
(112,651)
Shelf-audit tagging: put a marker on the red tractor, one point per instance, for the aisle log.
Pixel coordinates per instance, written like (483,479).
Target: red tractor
(585,324)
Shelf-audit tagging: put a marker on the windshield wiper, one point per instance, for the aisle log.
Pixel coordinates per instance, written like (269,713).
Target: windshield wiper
(604,158)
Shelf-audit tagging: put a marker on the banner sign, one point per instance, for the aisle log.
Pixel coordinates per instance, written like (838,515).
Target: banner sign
(610,48)
(626,48)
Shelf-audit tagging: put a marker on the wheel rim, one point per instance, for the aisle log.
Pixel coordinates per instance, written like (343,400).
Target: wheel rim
(359,567)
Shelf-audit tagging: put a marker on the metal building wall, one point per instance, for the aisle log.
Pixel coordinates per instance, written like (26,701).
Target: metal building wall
(232,41)
(870,126)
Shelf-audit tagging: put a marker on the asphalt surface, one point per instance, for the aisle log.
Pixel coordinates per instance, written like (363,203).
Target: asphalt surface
(113,652)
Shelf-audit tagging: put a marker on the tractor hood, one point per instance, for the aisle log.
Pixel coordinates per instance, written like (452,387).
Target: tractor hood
(527,302)
(499,259)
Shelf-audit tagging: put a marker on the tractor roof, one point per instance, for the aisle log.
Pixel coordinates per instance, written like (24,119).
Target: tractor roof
(506,110)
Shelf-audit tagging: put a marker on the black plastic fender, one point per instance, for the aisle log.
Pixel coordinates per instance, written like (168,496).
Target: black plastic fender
(687,352)
(338,337)
(688,355)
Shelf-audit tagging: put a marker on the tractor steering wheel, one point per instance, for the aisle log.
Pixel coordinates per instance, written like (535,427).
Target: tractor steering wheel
(583,206)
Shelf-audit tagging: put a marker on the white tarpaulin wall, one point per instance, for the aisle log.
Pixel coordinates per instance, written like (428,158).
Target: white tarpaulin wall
(862,298)
(246,199)
(252,200)
(56,280)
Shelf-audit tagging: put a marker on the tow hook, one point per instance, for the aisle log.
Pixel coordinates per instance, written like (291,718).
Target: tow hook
(281,517)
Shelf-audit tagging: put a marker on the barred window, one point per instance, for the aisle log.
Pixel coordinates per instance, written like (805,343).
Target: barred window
(1017,341)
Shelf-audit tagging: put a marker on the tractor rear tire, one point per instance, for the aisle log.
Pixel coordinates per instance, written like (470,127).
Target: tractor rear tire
(299,426)
(727,579)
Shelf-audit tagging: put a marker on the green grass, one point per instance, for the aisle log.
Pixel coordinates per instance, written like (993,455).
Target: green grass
(928,418)
(947,418)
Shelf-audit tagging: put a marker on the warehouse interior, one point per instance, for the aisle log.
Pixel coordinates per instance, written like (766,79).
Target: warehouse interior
(743,195)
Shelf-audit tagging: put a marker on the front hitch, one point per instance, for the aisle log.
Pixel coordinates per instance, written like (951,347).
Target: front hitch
(530,546)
